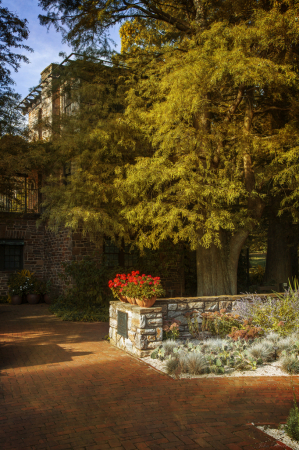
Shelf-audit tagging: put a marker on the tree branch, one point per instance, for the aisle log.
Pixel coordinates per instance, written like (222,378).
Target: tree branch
(270,109)
(235,105)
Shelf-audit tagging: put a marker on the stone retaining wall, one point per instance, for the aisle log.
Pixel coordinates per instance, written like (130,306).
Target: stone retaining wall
(145,330)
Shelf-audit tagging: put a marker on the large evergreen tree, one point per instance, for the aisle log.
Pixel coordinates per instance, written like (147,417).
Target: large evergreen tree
(213,91)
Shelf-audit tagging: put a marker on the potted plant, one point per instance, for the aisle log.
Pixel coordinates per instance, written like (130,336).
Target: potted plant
(32,287)
(142,290)
(46,289)
(16,289)
(18,285)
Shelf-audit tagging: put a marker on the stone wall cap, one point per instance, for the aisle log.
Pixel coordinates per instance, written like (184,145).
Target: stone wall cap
(215,298)
(136,308)
(162,301)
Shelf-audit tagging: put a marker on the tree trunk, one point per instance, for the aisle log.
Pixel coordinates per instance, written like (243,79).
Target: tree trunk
(217,267)
(294,259)
(279,259)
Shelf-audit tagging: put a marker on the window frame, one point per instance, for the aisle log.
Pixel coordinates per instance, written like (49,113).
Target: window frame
(4,243)
(122,255)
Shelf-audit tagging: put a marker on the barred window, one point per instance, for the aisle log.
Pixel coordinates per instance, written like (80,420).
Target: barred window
(111,252)
(11,254)
(22,198)
(114,256)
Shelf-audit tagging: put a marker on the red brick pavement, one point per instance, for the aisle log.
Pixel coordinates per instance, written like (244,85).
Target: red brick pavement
(63,387)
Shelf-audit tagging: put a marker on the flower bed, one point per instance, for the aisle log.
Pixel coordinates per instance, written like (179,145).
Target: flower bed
(223,356)
(257,332)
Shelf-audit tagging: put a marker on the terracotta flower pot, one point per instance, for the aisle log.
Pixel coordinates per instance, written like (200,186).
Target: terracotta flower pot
(16,299)
(131,300)
(146,302)
(33,298)
(47,298)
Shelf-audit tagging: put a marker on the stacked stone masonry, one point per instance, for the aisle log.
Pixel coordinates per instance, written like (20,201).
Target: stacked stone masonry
(145,325)
(144,328)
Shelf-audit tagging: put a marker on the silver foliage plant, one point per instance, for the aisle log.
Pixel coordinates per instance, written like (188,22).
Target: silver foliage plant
(246,307)
(262,350)
(222,355)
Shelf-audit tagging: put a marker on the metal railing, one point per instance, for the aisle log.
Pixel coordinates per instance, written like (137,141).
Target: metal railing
(23,199)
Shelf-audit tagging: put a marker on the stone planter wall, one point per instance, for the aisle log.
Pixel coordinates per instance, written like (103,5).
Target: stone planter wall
(145,330)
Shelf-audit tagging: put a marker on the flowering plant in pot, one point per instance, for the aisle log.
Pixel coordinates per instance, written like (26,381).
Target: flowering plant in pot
(32,287)
(137,289)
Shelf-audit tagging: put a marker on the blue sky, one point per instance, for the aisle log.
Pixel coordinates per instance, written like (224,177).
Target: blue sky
(46,45)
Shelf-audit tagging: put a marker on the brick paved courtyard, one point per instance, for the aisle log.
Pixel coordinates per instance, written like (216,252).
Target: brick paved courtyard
(64,387)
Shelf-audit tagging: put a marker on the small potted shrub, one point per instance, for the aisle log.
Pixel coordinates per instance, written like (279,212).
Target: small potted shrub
(16,289)
(46,289)
(32,287)
(141,290)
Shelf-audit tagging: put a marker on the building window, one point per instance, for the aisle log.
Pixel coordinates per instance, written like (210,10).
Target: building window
(11,254)
(115,256)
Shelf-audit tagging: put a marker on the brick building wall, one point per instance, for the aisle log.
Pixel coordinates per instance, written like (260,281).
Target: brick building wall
(58,249)
(12,227)
(44,251)
(65,246)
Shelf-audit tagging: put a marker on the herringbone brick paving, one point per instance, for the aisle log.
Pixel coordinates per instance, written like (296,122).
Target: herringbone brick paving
(63,387)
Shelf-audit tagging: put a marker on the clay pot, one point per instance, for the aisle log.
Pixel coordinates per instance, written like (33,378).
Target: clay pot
(47,298)
(33,298)
(145,302)
(16,299)
(123,299)
(131,300)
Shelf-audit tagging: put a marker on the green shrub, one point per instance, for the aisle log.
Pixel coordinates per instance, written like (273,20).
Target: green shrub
(292,425)
(256,275)
(68,311)
(290,364)
(220,323)
(193,324)
(279,314)
(87,296)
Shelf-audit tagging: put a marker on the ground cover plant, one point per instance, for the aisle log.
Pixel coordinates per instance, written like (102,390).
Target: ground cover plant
(224,355)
